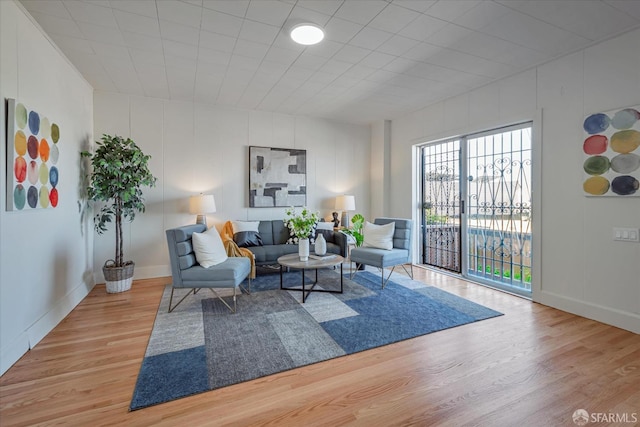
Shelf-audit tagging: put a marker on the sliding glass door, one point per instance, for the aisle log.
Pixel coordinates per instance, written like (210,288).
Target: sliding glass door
(441,205)
(476,207)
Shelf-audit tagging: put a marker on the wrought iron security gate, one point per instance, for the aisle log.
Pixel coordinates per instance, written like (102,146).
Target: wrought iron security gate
(499,208)
(441,205)
(491,241)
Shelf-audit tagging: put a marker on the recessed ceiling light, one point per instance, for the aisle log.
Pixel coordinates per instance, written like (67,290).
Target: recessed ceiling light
(306,34)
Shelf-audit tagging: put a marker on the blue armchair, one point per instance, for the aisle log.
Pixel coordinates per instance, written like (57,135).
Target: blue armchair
(400,254)
(187,273)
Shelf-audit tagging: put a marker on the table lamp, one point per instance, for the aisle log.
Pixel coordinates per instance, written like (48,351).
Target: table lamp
(202,205)
(346,203)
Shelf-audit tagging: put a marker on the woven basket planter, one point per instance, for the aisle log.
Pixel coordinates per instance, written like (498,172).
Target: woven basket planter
(118,279)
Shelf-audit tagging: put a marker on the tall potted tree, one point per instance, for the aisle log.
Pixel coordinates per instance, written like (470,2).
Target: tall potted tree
(119,171)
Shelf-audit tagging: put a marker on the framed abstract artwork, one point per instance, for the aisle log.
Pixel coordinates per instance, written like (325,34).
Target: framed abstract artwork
(277,177)
(611,150)
(32,158)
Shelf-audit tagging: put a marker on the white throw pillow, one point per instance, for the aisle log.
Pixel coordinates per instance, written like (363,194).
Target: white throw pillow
(239,226)
(379,236)
(208,248)
(325,226)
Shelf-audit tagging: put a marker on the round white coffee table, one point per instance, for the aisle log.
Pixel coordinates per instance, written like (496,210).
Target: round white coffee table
(293,261)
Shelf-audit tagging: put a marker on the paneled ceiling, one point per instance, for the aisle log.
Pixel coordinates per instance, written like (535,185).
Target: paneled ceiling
(380,59)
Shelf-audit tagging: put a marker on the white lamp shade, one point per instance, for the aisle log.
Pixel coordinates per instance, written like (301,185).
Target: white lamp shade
(346,203)
(202,204)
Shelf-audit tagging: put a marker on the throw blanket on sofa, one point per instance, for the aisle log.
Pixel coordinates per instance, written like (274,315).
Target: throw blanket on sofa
(234,250)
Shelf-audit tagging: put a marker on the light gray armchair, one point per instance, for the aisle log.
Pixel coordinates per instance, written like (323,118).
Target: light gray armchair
(400,254)
(187,273)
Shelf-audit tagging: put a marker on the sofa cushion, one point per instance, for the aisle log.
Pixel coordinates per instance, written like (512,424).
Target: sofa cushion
(379,257)
(326,229)
(245,239)
(379,236)
(208,248)
(180,245)
(239,226)
(228,273)
(280,232)
(270,253)
(266,232)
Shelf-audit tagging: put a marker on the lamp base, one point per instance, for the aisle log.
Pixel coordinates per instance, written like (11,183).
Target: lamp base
(201,219)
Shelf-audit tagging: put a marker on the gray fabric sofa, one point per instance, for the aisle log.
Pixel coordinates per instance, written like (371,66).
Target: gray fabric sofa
(274,236)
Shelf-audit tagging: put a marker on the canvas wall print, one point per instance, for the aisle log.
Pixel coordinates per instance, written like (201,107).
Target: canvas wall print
(277,177)
(32,157)
(612,153)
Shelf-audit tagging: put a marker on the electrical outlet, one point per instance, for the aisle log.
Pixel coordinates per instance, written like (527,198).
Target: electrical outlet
(626,234)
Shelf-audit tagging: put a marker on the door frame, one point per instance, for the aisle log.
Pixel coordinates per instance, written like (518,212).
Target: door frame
(536,197)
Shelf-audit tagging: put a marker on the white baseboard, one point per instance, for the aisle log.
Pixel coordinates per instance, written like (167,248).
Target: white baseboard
(148,272)
(11,353)
(152,271)
(620,319)
(59,311)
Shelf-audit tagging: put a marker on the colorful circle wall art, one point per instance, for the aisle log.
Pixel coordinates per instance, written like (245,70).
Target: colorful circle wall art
(611,149)
(33,151)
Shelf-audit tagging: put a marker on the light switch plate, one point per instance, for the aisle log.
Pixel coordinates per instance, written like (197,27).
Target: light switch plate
(623,234)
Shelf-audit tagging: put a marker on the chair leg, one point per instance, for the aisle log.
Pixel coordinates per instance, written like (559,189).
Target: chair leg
(384,281)
(353,272)
(409,272)
(233,310)
(410,268)
(195,291)
(183,298)
(246,290)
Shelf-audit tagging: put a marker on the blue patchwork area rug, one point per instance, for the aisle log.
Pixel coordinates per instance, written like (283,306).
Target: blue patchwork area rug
(202,346)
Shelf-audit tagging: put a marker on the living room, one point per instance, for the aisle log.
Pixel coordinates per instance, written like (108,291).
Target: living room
(51,259)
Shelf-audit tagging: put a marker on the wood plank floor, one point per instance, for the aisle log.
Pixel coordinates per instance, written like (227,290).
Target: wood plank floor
(532,367)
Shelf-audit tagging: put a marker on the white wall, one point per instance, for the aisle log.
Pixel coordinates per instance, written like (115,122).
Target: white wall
(46,255)
(581,269)
(380,168)
(201,148)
